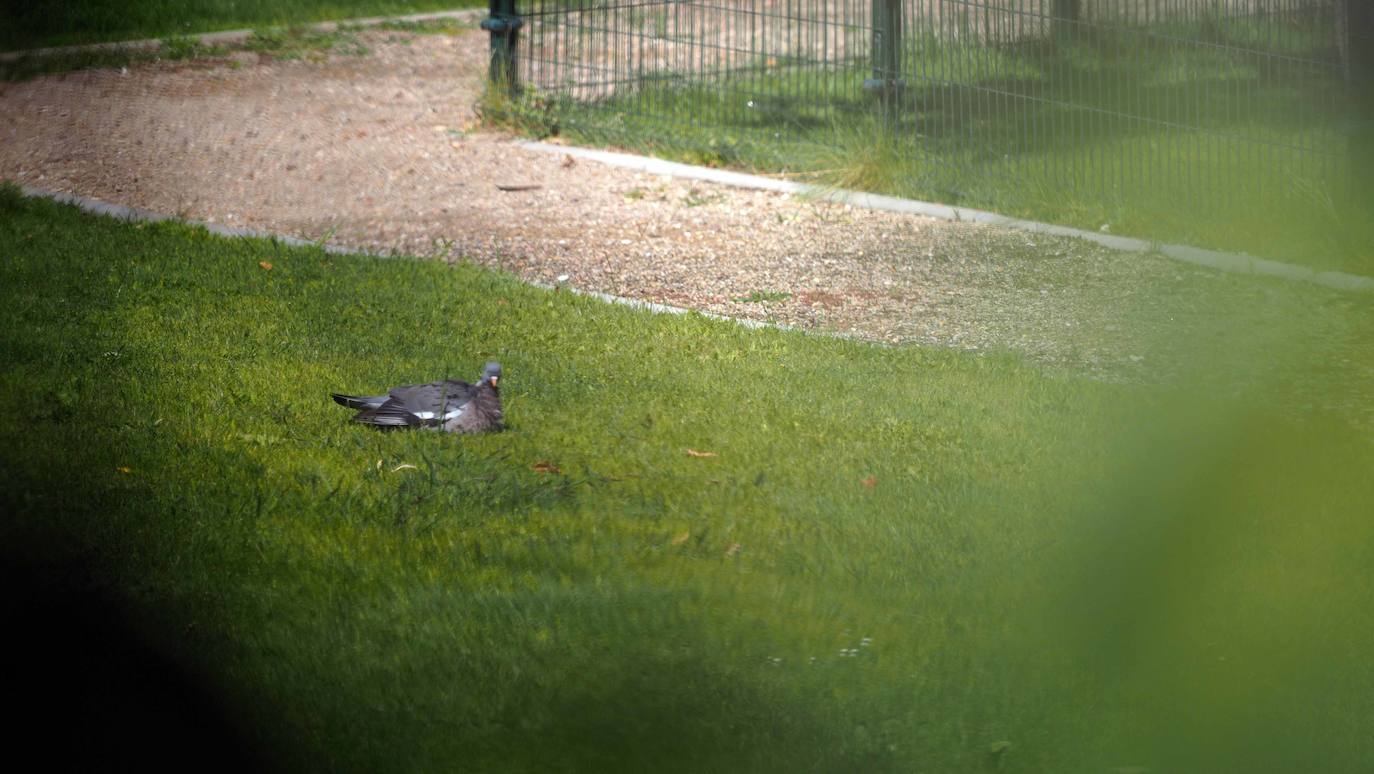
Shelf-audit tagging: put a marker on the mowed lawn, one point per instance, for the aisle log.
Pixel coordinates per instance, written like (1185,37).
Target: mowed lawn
(698,547)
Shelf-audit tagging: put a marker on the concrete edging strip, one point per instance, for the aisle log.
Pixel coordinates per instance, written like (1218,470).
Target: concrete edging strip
(230,37)
(135,214)
(122,212)
(1237,263)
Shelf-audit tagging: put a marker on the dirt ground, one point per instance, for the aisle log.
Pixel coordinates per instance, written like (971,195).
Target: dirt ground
(381,151)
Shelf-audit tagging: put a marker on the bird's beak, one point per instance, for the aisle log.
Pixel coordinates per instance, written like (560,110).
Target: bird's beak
(493,380)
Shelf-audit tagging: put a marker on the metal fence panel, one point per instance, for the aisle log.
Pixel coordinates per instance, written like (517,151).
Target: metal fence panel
(1200,105)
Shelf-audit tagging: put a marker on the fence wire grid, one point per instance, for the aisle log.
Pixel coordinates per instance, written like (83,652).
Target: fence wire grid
(1189,107)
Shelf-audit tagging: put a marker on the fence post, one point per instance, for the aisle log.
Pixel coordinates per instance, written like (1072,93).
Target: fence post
(886,50)
(1359,73)
(1064,18)
(504,23)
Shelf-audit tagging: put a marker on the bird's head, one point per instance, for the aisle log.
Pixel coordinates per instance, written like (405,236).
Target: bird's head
(491,374)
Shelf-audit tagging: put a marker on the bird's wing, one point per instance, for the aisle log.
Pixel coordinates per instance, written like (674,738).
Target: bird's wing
(413,405)
(389,414)
(433,402)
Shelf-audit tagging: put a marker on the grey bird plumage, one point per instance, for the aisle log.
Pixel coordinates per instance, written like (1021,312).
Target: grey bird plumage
(449,405)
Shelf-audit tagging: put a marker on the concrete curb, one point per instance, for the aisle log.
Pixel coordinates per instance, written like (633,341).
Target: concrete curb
(231,37)
(1237,263)
(137,215)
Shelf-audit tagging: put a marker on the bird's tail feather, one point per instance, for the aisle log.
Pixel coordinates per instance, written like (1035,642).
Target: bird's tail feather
(358,401)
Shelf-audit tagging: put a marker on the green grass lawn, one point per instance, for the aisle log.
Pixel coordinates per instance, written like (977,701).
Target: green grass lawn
(1176,186)
(899,559)
(37,23)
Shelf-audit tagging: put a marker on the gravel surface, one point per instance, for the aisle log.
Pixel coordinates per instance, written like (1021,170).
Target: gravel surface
(382,151)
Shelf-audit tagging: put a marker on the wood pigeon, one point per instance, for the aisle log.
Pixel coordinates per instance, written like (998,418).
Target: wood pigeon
(449,405)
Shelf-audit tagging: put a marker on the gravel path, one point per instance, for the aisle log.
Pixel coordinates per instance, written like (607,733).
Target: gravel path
(381,151)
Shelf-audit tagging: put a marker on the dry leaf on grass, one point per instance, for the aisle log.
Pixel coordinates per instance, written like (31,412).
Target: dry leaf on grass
(124,469)
(265,265)
(733,549)
(870,482)
(544,466)
(681,538)
(695,453)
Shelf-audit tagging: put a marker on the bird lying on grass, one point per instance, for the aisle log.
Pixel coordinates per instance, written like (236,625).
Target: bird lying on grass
(449,405)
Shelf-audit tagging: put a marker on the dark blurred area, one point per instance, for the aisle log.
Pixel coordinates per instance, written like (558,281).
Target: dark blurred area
(89,690)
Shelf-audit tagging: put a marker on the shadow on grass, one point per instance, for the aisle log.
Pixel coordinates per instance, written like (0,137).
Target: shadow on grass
(100,688)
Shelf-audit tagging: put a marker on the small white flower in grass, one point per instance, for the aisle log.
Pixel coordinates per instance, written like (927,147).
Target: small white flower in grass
(749,104)
(865,642)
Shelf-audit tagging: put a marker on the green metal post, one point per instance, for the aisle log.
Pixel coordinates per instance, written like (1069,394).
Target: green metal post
(504,23)
(1065,15)
(1359,72)
(887,50)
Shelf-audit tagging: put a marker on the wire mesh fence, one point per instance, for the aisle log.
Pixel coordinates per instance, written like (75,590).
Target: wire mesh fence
(1174,112)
